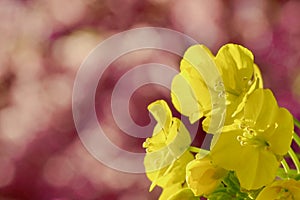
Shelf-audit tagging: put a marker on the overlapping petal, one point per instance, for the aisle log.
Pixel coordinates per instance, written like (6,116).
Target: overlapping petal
(257,133)
(188,87)
(169,191)
(166,149)
(203,177)
(171,174)
(177,192)
(281,189)
(183,194)
(236,65)
(192,88)
(251,145)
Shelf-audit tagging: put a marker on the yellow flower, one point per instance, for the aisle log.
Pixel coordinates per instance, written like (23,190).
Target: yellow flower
(169,191)
(281,190)
(191,91)
(203,177)
(166,156)
(177,192)
(252,145)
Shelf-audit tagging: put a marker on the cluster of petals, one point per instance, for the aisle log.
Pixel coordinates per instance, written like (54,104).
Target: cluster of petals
(256,134)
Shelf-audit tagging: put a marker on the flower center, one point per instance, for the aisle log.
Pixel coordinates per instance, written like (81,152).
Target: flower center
(251,137)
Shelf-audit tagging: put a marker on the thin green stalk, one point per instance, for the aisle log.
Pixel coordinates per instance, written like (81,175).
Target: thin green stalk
(296,138)
(295,159)
(194,149)
(200,152)
(283,175)
(297,122)
(285,166)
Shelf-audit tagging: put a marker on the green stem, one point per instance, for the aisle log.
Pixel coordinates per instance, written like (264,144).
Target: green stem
(200,152)
(296,122)
(296,138)
(194,149)
(285,166)
(283,174)
(295,159)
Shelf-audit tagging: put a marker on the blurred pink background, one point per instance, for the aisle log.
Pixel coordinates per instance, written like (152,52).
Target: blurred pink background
(42,46)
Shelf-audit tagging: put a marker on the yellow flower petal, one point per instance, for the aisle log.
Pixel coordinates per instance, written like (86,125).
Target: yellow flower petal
(170,174)
(184,98)
(171,134)
(178,139)
(250,146)
(227,152)
(257,169)
(260,104)
(156,142)
(281,189)
(200,58)
(169,191)
(254,168)
(280,140)
(166,149)
(183,194)
(199,85)
(162,114)
(203,177)
(190,93)
(236,65)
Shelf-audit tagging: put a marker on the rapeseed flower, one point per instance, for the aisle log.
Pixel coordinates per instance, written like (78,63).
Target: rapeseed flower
(191,92)
(254,145)
(281,190)
(166,150)
(203,177)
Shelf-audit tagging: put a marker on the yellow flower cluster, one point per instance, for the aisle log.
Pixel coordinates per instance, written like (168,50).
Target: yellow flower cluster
(255,136)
